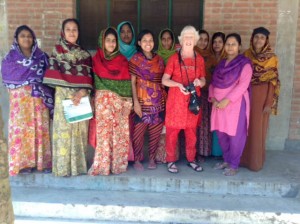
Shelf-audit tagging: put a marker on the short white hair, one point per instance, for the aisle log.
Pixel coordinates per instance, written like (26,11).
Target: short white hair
(191,30)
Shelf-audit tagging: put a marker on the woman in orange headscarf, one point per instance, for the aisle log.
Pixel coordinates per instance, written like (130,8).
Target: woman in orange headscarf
(265,92)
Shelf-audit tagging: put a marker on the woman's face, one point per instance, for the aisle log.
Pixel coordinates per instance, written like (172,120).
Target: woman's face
(71,32)
(203,41)
(188,41)
(218,45)
(110,43)
(126,34)
(166,41)
(232,47)
(259,41)
(147,43)
(25,40)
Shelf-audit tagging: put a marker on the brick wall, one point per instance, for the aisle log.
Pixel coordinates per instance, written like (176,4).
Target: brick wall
(241,16)
(43,16)
(294,132)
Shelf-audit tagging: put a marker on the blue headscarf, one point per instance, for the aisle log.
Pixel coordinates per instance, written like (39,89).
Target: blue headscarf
(128,50)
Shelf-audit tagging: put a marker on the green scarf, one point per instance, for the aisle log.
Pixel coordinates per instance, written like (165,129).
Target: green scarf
(165,54)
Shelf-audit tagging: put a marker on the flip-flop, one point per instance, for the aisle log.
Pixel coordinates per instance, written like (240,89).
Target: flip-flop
(230,172)
(220,166)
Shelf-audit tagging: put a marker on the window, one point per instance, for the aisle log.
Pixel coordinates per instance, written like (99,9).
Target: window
(95,15)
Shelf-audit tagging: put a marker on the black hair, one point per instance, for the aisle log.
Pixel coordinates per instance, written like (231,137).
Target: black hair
(204,31)
(128,24)
(139,38)
(71,20)
(111,31)
(21,28)
(218,34)
(168,31)
(236,36)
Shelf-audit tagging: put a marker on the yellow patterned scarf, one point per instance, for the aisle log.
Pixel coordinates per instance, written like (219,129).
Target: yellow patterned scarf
(265,69)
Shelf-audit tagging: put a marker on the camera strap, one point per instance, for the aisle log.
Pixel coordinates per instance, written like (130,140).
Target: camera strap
(181,61)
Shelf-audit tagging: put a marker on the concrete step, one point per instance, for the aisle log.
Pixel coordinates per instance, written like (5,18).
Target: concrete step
(31,220)
(151,207)
(274,182)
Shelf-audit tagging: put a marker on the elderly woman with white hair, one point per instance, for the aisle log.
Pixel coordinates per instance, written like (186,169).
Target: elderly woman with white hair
(185,75)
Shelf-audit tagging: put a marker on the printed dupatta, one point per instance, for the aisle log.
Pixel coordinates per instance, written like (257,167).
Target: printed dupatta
(69,66)
(265,69)
(18,70)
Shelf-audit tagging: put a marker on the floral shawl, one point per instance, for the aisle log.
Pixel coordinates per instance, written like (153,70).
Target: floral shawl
(111,72)
(69,66)
(265,69)
(18,71)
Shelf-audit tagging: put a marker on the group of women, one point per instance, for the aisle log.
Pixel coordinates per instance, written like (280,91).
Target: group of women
(210,92)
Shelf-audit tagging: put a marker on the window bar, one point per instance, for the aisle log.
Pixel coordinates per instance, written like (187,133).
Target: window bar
(108,12)
(138,16)
(170,15)
(201,13)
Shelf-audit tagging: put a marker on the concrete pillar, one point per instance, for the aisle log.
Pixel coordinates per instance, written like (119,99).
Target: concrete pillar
(6,209)
(5,44)
(285,50)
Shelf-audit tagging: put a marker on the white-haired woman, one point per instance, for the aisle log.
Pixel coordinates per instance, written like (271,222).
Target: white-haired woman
(184,69)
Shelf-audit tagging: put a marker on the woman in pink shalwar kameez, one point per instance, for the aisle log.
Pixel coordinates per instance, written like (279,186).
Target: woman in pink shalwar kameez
(229,93)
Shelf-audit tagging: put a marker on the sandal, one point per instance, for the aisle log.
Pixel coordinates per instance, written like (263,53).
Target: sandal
(221,166)
(152,165)
(230,172)
(47,170)
(172,168)
(26,171)
(195,166)
(138,166)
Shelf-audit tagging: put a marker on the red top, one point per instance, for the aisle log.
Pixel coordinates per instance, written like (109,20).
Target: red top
(177,113)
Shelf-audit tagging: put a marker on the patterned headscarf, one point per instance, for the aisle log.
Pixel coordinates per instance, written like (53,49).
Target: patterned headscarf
(111,71)
(18,70)
(164,53)
(265,69)
(69,66)
(128,50)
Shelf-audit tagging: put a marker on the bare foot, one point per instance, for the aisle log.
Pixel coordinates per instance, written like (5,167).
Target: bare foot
(138,166)
(152,165)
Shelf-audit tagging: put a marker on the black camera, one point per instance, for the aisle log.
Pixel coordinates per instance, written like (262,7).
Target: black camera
(195,103)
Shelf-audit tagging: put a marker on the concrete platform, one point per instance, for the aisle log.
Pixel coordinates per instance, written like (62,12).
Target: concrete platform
(157,196)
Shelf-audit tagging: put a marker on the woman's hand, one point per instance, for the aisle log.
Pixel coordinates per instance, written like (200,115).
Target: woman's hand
(78,95)
(183,89)
(267,110)
(137,109)
(214,102)
(223,103)
(199,82)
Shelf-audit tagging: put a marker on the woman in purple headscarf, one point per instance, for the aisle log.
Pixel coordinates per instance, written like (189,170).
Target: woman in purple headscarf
(22,71)
(229,93)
